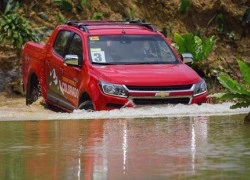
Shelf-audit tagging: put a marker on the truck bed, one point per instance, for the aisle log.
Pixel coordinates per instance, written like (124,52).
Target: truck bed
(32,60)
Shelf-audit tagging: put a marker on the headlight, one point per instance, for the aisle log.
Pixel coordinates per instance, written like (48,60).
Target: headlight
(200,88)
(113,89)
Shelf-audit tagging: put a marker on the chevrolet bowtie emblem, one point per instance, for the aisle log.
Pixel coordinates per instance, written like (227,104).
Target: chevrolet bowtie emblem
(162,94)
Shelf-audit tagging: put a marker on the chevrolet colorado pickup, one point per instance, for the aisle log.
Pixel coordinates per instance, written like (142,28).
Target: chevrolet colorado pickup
(103,65)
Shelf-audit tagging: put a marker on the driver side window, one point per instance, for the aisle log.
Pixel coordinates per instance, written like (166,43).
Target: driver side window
(61,42)
(75,48)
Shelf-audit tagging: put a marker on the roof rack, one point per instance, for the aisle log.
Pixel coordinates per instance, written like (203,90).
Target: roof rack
(83,24)
(76,24)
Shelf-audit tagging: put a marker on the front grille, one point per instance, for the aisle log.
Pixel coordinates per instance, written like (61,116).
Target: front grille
(138,101)
(159,88)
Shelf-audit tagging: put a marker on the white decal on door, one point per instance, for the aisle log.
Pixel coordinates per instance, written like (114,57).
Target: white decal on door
(63,86)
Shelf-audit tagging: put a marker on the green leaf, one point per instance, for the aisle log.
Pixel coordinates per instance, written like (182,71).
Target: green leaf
(179,40)
(184,6)
(189,43)
(97,16)
(216,95)
(240,105)
(15,35)
(198,48)
(208,45)
(6,27)
(232,85)
(245,71)
(241,97)
(12,6)
(9,33)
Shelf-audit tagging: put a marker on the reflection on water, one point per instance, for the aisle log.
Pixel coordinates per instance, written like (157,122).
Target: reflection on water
(37,111)
(159,148)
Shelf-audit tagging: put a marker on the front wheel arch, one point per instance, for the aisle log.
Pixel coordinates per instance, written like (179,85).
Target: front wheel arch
(86,103)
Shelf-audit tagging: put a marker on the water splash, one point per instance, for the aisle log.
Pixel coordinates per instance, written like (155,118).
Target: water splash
(38,111)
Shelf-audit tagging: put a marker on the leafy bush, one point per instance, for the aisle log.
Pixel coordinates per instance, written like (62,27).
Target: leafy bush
(64,4)
(11,6)
(97,16)
(15,30)
(184,6)
(84,3)
(190,43)
(240,92)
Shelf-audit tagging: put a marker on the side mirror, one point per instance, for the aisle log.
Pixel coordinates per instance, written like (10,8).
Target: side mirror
(187,58)
(71,60)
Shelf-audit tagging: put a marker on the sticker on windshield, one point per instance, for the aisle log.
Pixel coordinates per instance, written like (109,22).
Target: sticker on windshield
(95,49)
(98,56)
(94,38)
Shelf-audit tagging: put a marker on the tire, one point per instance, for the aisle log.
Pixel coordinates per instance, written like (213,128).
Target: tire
(87,105)
(33,93)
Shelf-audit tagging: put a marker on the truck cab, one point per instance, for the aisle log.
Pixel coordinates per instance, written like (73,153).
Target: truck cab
(104,65)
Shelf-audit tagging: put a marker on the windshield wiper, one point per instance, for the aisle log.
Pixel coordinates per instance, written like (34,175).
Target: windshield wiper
(156,62)
(102,63)
(134,63)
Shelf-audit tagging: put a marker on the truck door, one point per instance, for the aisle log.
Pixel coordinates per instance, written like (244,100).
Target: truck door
(54,67)
(72,75)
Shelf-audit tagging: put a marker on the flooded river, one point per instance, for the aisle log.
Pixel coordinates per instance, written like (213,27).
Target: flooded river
(168,142)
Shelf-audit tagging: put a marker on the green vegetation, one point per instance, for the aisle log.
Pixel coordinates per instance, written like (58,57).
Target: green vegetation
(131,14)
(184,6)
(60,18)
(14,29)
(84,3)
(97,16)
(199,48)
(64,4)
(190,43)
(237,91)
(11,7)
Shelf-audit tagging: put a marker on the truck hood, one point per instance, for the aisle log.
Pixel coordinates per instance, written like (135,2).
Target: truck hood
(147,75)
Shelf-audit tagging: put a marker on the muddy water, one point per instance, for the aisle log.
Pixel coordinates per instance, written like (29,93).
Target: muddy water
(14,109)
(212,147)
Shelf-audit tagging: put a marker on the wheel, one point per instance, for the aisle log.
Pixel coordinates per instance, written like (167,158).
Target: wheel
(87,105)
(33,93)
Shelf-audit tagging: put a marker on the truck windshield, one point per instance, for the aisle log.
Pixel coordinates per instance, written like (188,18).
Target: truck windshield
(130,49)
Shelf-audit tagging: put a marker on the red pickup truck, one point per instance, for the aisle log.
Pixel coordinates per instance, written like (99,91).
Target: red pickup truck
(103,65)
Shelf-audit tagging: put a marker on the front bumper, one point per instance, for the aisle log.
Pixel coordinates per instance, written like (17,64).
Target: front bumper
(151,96)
